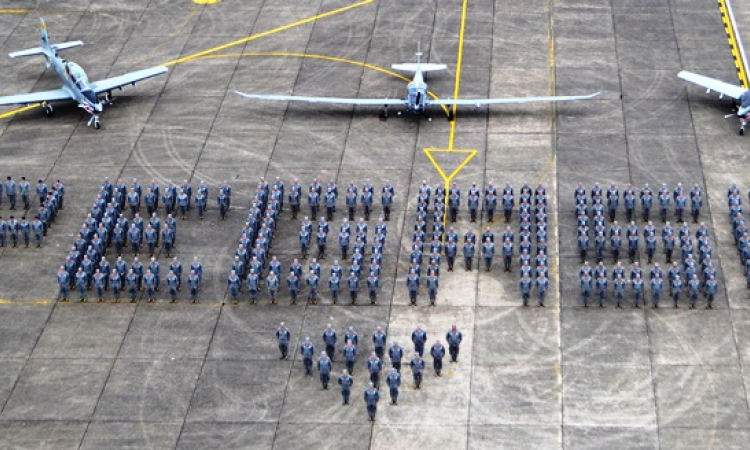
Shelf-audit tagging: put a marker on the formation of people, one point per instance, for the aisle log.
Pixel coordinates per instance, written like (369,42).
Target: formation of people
(739,228)
(693,276)
(375,363)
(86,266)
(51,201)
(254,268)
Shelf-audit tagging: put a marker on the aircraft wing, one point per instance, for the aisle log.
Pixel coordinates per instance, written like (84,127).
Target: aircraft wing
(510,101)
(330,100)
(128,78)
(712,84)
(36,97)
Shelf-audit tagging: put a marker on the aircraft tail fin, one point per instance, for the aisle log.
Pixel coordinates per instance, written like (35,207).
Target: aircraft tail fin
(419,67)
(46,48)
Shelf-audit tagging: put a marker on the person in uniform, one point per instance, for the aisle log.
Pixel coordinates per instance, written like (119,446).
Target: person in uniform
(132,284)
(432,286)
(393,380)
(711,289)
(115,283)
(283,336)
(372,396)
(525,286)
(345,381)
(307,350)
(149,280)
(329,338)
(194,282)
(63,281)
(324,367)
(372,287)
(374,366)
(272,284)
(313,283)
(173,283)
(417,368)
(419,338)
(412,283)
(233,283)
(657,285)
(437,351)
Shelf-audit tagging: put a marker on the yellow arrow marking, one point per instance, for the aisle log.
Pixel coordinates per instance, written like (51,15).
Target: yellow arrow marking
(447,178)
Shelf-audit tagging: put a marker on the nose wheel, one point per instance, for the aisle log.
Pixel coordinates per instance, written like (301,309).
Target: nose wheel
(94,121)
(48,110)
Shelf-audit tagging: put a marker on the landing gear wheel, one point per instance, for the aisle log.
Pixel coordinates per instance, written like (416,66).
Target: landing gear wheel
(97,124)
(108,97)
(48,110)
(383,115)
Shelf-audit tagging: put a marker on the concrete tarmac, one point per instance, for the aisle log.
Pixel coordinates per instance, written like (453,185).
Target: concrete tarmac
(208,375)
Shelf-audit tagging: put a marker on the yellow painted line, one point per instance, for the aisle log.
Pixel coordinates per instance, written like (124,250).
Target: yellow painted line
(734,42)
(459,62)
(19,110)
(447,178)
(14,10)
(206,2)
(267,33)
(6,301)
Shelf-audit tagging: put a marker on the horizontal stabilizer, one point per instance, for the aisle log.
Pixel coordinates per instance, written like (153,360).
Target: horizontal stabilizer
(421,67)
(67,45)
(27,52)
(40,50)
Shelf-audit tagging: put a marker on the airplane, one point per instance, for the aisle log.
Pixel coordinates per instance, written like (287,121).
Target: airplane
(417,99)
(739,95)
(76,85)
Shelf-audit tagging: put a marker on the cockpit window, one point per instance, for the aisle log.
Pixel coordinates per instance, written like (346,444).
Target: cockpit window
(77,75)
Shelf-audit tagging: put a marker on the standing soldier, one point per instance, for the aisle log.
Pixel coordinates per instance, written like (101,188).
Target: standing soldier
(222,201)
(372,286)
(313,283)
(272,284)
(10,190)
(334,283)
(583,245)
(542,284)
(283,336)
(637,283)
(183,202)
(613,201)
(253,285)
(664,201)
(509,203)
(438,352)
(669,243)
(374,366)
(292,282)
(378,340)
(490,204)
(680,203)
(396,353)
(393,380)
(650,247)
(81,282)
(488,251)
(132,283)
(149,280)
(353,284)
(351,203)
(711,288)
(313,201)
(525,285)
(619,286)
(454,338)
(322,238)
(233,282)
(432,286)
(63,281)
(295,192)
(412,283)
(601,289)
(676,291)
(350,355)
(586,285)
(173,283)
(450,254)
(657,285)
(308,351)
(324,367)
(115,283)
(419,338)
(345,381)
(201,200)
(330,202)
(468,250)
(508,254)
(329,337)
(194,281)
(372,396)
(694,286)
(417,367)
(473,202)
(25,228)
(696,202)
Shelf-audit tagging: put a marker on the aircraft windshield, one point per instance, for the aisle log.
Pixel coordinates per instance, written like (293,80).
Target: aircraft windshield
(412,95)
(78,75)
